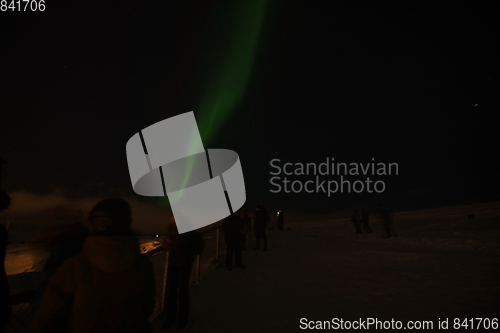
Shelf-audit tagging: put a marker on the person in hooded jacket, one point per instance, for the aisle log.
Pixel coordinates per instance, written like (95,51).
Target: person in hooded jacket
(109,287)
(182,249)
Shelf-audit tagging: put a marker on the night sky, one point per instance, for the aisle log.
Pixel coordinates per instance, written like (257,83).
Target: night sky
(409,84)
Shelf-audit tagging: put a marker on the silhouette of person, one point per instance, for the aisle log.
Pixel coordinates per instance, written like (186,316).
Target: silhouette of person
(365,218)
(356,220)
(281,218)
(182,249)
(246,227)
(261,219)
(233,226)
(388,221)
(109,287)
(5,304)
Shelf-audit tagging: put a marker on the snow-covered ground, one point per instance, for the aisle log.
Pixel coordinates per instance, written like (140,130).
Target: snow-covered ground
(442,265)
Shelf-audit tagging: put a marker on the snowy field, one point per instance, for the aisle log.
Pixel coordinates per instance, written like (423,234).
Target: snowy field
(442,266)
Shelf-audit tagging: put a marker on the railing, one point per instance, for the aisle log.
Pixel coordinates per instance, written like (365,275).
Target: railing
(25,303)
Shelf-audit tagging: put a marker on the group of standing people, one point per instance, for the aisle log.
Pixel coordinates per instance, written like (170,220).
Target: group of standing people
(183,247)
(237,229)
(364,220)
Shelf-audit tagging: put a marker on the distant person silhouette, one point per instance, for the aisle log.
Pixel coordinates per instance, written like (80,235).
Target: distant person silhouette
(357,222)
(109,287)
(261,219)
(365,219)
(5,304)
(233,227)
(386,216)
(182,249)
(245,234)
(281,219)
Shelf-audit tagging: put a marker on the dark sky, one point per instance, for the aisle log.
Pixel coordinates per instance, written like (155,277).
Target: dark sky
(410,84)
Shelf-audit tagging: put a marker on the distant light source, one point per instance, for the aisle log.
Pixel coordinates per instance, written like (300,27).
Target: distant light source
(156,236)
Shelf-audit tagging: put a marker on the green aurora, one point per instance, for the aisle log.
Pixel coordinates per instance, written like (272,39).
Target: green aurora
(221,98)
